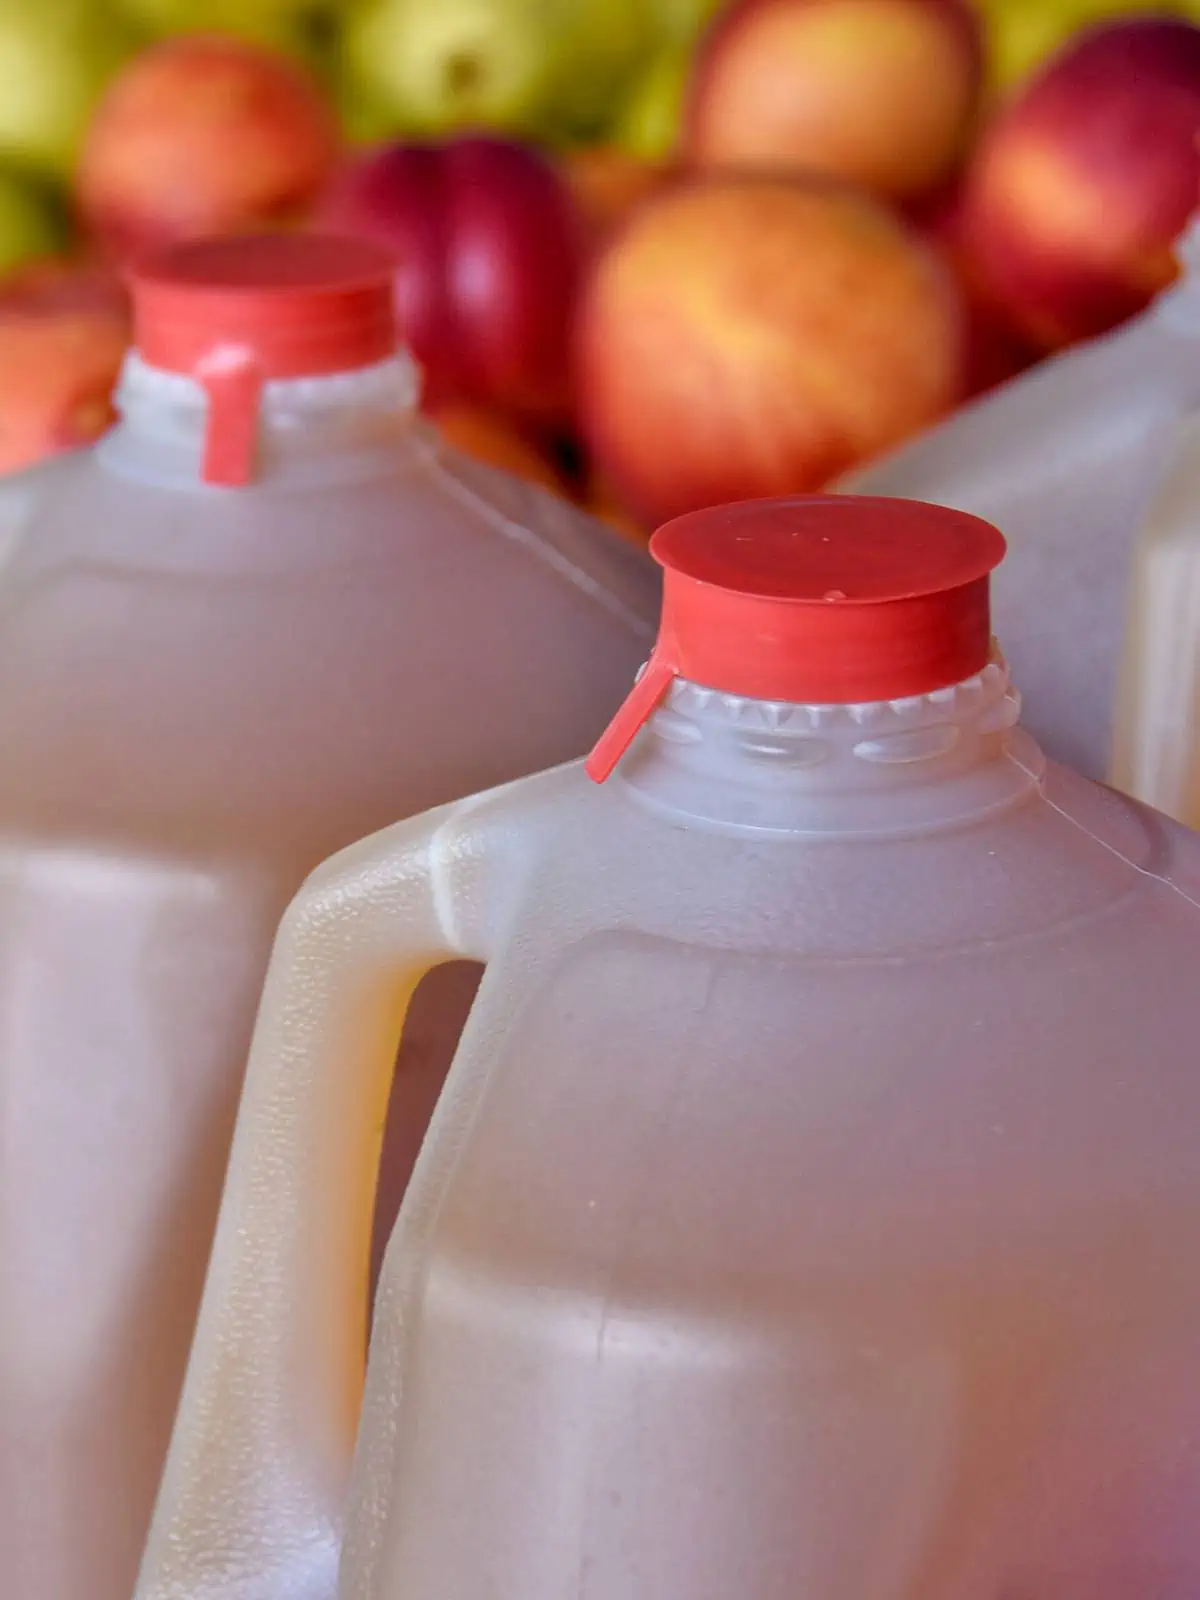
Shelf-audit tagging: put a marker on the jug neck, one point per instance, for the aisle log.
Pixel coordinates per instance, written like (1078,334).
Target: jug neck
(311,432)
(876,770)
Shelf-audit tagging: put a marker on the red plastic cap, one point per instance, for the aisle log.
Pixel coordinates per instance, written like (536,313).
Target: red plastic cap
(234,313)
(823,600)
(302,304)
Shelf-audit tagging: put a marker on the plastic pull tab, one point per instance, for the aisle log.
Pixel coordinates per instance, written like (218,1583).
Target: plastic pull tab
(233,381)
(640,705)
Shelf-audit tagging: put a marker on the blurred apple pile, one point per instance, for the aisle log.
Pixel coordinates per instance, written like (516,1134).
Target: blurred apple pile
(651,253)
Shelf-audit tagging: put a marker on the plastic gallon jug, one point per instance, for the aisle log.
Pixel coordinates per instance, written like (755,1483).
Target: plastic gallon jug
(270,611)
(812,1207)
(1064,459)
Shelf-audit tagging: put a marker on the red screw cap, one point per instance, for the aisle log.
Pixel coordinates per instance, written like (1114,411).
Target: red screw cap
(821,600)
(234,313)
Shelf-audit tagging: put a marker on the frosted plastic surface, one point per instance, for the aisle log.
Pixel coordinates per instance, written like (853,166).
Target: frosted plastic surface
(1064,459)
(203,692)
(1157,738)
(19,493)
(811,1209)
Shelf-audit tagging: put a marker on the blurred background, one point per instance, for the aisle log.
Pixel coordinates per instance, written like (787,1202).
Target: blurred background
(651,253)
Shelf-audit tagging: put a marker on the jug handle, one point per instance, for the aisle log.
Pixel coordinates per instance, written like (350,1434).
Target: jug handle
(251,1502)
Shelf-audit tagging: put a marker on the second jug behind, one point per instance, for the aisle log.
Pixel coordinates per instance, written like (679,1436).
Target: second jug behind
(270,612)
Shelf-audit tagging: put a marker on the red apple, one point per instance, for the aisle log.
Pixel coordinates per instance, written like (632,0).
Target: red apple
(1084,181)
(203,135)
(497,442)
(757,336)
(993,351)
(63,336)
(490,246)
(878,92)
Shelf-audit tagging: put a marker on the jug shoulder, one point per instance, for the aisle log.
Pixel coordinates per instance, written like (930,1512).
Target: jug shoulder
(1067,858)
(405,667)
(720,1007)
(421,493)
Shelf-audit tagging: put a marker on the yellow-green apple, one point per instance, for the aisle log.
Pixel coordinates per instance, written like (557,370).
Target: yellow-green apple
(282,27)
(522,67)
(203,134)
(650,122)
(757,335)
(878,92)
(279,22)
(682,21)
(1022,34)
(1085,179)
(55,58)
(31,227)
(605,43)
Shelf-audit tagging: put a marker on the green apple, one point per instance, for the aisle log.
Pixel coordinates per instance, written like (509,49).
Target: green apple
(685,20)
(364,120)
(453,64)
(279,25)
(260,19)
(602,46)
(55,58)
(521,67)
(31,228)
(1021,34)
(649,124)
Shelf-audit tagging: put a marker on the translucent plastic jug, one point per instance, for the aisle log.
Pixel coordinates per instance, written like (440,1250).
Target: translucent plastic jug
(812,1208)
(269,613)
(1064,459)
